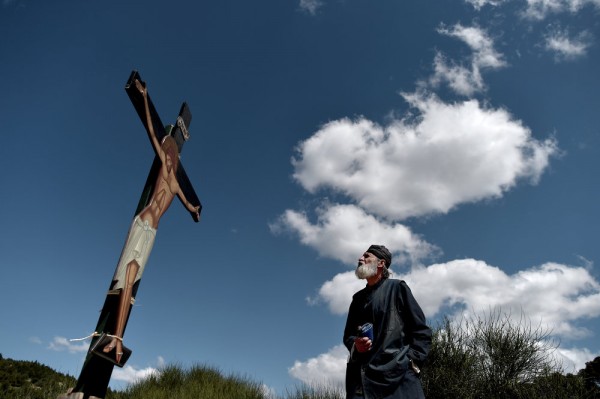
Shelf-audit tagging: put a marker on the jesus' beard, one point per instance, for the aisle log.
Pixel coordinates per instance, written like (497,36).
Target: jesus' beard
(366,270)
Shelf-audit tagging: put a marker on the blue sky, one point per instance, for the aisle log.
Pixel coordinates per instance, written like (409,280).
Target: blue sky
(462,134)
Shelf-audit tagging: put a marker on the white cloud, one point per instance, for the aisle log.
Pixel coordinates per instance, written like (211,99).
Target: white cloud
(565,47)
(451,154)
(130,374)
(337,293)
(60,344)
(479,4)
(467,80)
(327,369)
(460,79)
(539,9)
(574,359)
(344,227)
(484,54)
(268,392)
(310,6)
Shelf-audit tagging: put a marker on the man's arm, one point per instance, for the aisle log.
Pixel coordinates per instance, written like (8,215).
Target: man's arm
(350,331)
(351,337)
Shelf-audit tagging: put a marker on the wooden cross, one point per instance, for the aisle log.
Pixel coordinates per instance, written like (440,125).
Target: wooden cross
(167,179)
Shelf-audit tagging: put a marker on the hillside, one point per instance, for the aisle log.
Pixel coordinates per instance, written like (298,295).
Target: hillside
(32,380)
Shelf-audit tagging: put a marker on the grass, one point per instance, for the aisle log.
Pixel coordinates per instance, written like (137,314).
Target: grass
(307,392)
(197,382)
(209,383)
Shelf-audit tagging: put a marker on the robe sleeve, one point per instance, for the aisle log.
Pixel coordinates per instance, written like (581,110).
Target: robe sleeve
(417,333)
(350,331)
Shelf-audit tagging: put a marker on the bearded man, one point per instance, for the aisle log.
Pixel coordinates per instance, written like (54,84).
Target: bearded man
(384,363)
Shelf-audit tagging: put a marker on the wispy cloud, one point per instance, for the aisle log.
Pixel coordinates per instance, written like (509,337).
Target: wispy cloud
(467,80)
(17,3)
(310,6)
(540,9)
(129,374)
(484,54)
(565,47)
(60,344)
(268,392)
(479,4)
(574,359)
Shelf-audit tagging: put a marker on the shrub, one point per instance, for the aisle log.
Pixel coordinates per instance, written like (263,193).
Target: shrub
(494,357)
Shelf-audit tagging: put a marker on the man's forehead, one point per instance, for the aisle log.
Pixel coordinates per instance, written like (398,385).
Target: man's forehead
(367,254)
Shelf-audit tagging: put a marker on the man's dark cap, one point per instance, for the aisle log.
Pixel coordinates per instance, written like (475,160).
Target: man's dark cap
(382,253)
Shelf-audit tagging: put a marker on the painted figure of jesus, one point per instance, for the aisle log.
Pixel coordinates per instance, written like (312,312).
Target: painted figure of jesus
(143,229)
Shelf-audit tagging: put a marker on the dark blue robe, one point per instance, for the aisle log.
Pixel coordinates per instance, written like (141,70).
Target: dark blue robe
(400,335)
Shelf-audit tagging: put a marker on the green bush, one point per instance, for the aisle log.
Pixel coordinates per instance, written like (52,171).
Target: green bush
(496,357)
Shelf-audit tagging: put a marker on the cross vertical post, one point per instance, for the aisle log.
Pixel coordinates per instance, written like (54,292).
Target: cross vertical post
(166,180)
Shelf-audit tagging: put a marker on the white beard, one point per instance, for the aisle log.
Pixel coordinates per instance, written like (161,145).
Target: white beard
(366,270)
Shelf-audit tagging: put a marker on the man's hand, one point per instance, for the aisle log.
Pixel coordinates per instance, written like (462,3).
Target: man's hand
(363,344)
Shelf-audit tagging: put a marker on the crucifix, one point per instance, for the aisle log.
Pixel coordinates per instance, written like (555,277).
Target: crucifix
(166,180)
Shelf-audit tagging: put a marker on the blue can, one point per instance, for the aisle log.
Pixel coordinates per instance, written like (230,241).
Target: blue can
(366,330)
